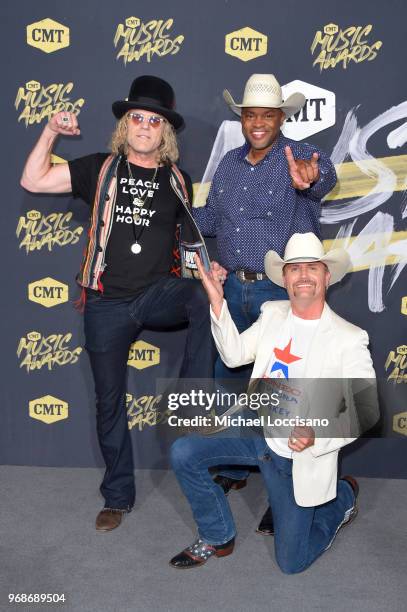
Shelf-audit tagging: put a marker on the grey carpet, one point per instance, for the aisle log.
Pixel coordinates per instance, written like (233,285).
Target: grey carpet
(48,545)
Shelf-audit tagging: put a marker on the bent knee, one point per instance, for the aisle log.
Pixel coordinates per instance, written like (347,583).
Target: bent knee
(291,566)
(181,453)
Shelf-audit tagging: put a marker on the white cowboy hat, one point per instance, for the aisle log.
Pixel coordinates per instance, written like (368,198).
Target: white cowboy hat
(264,91)
(304,248)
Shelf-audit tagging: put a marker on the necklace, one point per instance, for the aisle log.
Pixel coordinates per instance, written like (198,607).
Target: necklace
(135,248)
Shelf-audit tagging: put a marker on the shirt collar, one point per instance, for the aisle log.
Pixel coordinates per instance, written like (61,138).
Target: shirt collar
(279,144)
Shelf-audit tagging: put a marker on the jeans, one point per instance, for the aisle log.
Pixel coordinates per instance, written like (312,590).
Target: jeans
(244,299)
(302,534)
(111,326)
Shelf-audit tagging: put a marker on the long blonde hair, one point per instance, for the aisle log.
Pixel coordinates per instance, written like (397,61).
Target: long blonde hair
(167,151)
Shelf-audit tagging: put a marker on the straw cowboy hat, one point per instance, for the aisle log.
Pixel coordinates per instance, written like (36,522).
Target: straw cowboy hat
(264,91)
(306,248)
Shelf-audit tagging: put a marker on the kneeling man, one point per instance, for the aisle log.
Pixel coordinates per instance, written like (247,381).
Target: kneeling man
(301,338)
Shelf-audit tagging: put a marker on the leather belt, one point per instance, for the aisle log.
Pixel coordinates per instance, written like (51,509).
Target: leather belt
(242,275)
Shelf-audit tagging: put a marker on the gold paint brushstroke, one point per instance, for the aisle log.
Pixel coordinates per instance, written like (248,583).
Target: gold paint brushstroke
(391,260)
(352,182)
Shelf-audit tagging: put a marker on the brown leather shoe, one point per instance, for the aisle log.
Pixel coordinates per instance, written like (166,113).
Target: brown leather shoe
(108,519)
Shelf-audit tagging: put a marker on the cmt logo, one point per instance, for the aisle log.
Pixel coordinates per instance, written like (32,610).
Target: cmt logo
(317,114)
(143,355)
(48,292)
(331,28)
(335,46)
(33,215)
(132,22)
(136,39)
(48,409)
(404,305)
(33,86)
(246,44)
(400,423)
(48,35)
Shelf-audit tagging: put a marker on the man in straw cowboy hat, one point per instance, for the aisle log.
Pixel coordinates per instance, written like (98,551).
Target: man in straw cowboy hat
(297,339)
(138,197)
(261,194)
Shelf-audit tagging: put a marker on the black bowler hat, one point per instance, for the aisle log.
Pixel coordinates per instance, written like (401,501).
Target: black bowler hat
(152,94)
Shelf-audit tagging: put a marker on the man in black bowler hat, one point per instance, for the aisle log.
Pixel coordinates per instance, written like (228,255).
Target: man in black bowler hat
(138,199)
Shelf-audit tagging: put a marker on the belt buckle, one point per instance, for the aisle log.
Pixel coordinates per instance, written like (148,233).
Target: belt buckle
(240,275)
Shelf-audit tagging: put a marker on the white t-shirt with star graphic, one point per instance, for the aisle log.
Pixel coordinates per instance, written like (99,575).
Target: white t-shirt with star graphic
(288,361)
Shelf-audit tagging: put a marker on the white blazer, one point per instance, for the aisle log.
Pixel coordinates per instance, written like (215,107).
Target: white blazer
(339,350)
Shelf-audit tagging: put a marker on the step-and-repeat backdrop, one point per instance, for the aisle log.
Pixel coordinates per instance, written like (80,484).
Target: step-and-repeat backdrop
(348,60)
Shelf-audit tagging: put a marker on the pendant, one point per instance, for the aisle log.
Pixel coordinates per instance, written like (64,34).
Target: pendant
(135,248)
(138,202)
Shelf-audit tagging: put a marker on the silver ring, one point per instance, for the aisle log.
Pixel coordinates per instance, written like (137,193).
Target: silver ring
(293,440)
(65,119)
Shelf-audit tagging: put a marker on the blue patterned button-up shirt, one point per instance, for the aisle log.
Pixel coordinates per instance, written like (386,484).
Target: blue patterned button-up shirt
(254,208)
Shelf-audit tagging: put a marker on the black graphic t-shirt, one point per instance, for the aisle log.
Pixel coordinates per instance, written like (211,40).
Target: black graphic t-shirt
(146,212)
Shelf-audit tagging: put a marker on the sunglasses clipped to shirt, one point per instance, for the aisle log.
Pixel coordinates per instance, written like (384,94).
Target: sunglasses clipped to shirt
(153,120)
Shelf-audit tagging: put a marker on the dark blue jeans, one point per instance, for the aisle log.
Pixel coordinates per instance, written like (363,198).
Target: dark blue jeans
(302,534)
(111,326)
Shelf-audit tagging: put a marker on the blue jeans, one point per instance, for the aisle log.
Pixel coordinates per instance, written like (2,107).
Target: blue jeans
(244,300)
(111,326)
(302,534)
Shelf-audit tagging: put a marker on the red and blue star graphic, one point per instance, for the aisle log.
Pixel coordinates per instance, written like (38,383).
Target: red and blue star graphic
(283,359)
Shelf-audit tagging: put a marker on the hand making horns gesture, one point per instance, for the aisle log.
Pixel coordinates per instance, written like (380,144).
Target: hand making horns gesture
(303,172)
